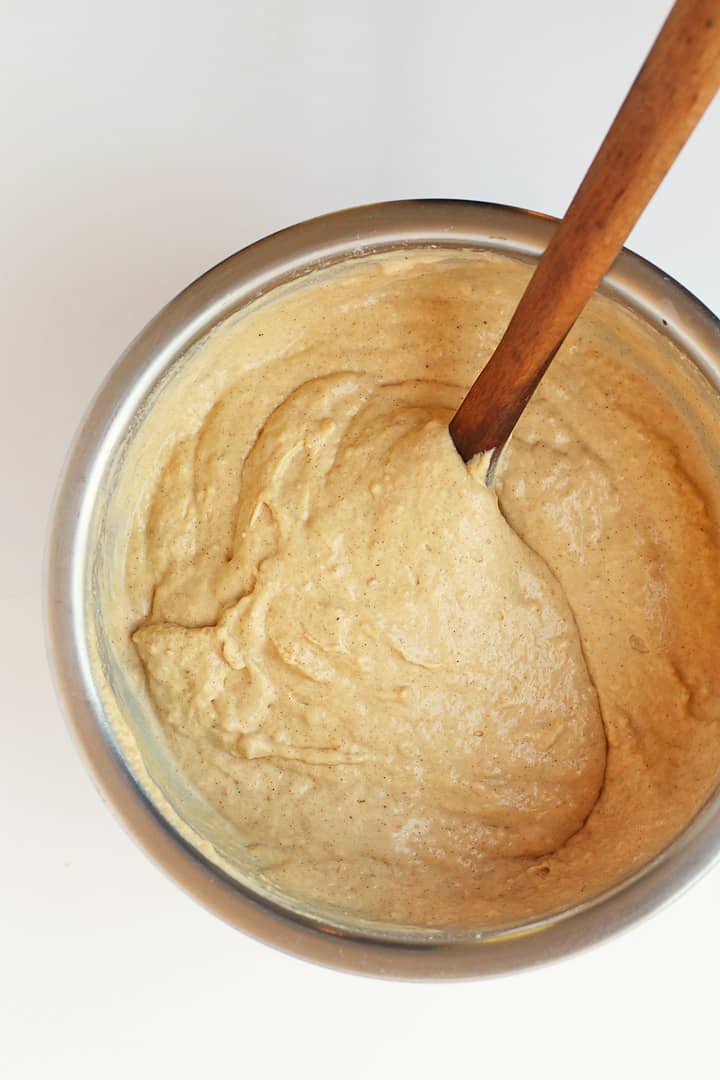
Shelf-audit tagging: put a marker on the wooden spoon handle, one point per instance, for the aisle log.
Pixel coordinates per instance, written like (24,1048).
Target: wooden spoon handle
(674,87)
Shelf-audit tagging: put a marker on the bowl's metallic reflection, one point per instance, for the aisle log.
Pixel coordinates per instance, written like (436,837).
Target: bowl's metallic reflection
(220,292)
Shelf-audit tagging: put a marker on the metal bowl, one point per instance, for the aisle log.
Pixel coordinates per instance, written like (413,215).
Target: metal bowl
(75,602)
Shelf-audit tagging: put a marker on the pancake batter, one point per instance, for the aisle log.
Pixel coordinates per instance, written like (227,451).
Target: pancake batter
(413,698)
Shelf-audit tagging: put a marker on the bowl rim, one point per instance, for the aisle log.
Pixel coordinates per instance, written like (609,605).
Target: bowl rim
(228,286)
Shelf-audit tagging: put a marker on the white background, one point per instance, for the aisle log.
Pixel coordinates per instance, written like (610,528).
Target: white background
(141,142)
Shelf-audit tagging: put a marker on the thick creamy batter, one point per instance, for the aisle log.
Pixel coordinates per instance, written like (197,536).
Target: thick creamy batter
(414,698)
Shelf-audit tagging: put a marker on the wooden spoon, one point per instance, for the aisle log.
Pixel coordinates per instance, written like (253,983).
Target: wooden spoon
(676,84)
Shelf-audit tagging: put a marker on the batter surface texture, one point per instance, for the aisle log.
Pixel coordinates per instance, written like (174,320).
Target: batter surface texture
(413,697)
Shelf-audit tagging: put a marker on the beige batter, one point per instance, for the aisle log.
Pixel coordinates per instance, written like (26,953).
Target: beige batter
(415,698)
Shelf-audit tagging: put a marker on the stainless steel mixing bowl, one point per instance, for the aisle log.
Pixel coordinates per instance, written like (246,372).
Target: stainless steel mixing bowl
(126,759)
